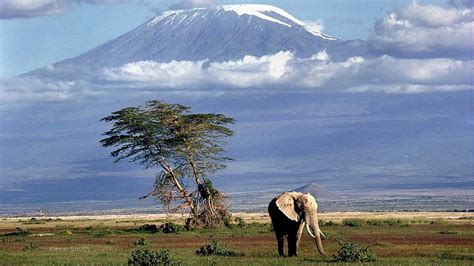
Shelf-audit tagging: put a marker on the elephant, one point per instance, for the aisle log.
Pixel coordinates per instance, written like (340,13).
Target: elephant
(289,212)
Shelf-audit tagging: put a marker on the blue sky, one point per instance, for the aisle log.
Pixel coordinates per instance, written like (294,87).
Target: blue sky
(31,43)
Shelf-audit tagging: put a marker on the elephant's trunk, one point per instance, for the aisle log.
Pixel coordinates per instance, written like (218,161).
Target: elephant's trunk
(312,220)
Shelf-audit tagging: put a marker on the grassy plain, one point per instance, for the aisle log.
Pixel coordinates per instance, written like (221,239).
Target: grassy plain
(412,238)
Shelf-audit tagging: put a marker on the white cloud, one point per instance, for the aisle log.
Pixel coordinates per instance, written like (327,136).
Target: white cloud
(284,71)
(28,89)
(30,8)
(250,71)
(424,31)
(175,74)
(11,9)
(270,74)
(187,4)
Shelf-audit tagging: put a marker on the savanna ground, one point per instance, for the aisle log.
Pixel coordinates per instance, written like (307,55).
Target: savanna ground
(411,238)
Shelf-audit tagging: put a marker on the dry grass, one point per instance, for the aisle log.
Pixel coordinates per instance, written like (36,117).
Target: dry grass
(401,238)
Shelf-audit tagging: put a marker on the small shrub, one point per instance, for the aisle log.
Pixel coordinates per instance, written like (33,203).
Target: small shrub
(102,233)
(34,221)
(30,246)
(168,228)
(145,257)
(375,222)
(65,233)
(236,222)
(392,221)
(110,242)
(148,228)
(352,222)
(448,255)
(240,222)
(448,233)
(140,242)
(216,249)
(329,223)
(353,252)
(20,232)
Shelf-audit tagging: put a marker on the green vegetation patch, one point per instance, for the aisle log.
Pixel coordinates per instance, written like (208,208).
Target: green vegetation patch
(169,228)
(34,221)
(352,222)
(216,249)
(354,252)
(20,232)
(448,255)
(30,247)
(143,256)
(140,242)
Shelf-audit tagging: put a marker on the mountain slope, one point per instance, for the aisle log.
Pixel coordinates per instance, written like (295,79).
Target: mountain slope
(224,33)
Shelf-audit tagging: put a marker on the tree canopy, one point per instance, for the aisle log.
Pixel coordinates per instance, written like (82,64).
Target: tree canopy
(186,148)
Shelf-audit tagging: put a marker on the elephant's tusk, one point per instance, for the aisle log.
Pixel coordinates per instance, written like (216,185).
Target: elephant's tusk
(309,231)
(321,232)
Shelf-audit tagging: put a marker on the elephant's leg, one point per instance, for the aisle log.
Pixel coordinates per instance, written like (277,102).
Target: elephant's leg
(291,245)
(298,236)
(279,238)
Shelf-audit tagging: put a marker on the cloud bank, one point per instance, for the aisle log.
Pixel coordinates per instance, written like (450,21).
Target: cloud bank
(284,71)
(424,31)
(11,9)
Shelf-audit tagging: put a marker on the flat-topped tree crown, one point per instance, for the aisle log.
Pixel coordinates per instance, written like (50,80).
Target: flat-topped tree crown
(181,145)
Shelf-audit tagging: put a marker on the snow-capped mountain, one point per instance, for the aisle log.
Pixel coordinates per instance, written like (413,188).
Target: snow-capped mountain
(223,33)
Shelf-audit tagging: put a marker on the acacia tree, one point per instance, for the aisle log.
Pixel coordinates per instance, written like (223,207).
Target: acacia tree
(185,148)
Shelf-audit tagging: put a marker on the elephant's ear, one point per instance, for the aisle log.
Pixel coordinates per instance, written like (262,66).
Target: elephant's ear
(286,204)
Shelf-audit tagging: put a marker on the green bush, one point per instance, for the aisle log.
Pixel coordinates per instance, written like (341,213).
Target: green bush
(329,223)
(102,233)
(392,221)
(236,222)
(34,221)
(168,228)
(30,247)
(148,228)
(353,252)
(145,257)
(240,222)
(352,222)
(448,233)
(20,232)
(376,222)
(140,242)
(216,249)
(448,255)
